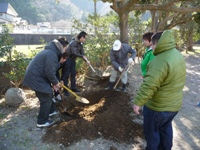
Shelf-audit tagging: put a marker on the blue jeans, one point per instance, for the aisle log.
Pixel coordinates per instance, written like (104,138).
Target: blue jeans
(158,129)
(69,70)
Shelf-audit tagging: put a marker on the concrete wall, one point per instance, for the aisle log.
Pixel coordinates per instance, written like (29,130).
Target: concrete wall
(35,39)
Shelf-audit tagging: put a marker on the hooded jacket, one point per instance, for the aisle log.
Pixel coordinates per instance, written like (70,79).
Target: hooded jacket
(41,71)
(162,86)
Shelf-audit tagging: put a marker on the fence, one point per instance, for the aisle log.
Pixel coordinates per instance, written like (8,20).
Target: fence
(35,39)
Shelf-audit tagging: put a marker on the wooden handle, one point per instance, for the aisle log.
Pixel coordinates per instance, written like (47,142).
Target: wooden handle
(125,69)
(69,90)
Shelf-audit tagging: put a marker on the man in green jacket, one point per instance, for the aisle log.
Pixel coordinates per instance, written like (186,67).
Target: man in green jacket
(148,55)
(161,91)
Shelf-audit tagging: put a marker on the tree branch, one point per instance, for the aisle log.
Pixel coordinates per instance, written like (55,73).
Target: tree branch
(130,3)
(114,6)
(163,23)
(181,20)
(164,8)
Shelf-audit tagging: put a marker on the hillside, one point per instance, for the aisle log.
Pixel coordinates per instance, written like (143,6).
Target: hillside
(49,10)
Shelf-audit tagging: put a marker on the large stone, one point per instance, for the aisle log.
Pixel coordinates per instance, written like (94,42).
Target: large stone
(14,96)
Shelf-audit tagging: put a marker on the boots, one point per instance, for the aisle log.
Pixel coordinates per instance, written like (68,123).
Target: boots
(123,88)
(110,86)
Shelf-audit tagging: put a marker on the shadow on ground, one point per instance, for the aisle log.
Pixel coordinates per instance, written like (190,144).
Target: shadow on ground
(187,122)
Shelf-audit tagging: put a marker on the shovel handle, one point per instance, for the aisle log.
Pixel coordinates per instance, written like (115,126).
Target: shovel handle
(118,80)
(91,67)
(125,69)
(69,90)
(88,62)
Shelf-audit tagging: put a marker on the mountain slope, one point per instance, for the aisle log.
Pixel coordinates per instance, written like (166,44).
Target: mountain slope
(49,10)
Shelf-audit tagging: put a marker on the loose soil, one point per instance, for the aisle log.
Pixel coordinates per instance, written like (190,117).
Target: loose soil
(107,116)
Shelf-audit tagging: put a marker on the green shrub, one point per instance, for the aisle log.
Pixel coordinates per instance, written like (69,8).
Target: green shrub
(6,43)
(99,42)
(18,67)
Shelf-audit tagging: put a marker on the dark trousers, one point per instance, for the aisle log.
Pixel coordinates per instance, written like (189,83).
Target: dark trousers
(46,106)
(69,70)
(158,129)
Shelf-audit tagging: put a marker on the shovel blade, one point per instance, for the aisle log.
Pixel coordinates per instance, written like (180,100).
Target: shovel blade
(82,100)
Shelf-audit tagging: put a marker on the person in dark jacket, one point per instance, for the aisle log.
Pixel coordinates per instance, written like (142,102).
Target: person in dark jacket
(119,59)
(40,76)
(75,49)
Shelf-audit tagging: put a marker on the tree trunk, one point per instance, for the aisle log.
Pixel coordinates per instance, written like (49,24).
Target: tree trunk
(95,15)
(154,17)
(153,23)
(95,7)
(190,39)
(123,25)
(10,55)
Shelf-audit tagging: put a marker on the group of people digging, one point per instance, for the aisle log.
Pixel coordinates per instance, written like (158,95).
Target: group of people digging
(160,95)
(42,74)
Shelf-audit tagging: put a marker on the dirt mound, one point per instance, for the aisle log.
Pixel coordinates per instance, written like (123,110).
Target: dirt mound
(107,115)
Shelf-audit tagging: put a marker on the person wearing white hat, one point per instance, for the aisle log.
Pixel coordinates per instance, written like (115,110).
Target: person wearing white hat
(119,60)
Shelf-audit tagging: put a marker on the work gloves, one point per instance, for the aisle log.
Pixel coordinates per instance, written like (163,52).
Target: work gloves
(120,69)
(130,60)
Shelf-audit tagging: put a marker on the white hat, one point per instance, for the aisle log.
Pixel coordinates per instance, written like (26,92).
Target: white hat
(117,45)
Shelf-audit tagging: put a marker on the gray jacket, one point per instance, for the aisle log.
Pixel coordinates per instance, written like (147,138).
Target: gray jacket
(41,71)
(75,49)
(120,58)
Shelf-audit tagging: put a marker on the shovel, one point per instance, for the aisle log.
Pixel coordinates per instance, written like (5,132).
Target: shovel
(91,67)
(125,69)
(78,98)
(89,64)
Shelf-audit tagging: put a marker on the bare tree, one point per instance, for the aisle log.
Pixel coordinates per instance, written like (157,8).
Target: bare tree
(173,10)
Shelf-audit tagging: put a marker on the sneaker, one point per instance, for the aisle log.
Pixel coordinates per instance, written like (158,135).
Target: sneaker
(59,98)
(54,100)
(47,124)
(53,113)
(75,90)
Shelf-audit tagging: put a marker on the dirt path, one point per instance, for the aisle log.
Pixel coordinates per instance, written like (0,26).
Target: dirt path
(187,122)
(18,131)
(186,125)
(18,127)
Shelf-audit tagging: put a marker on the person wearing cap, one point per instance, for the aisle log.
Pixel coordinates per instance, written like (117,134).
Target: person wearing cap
(119,59)
(41,77)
